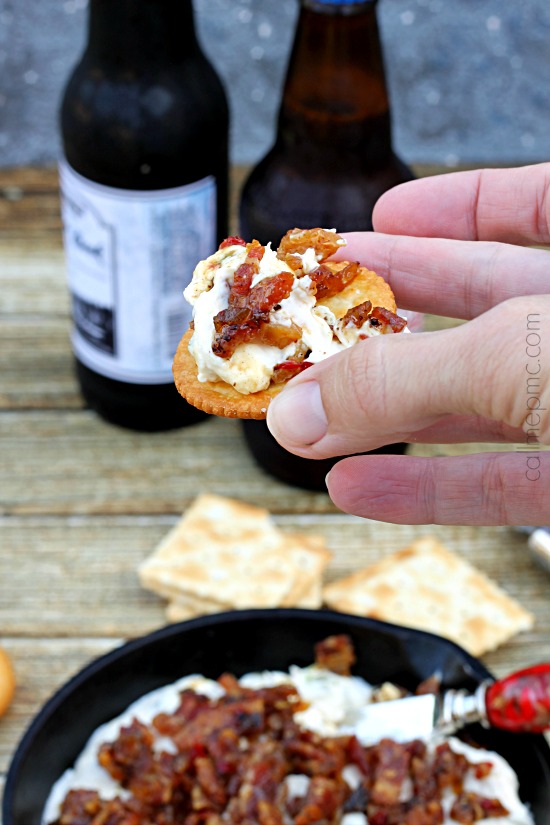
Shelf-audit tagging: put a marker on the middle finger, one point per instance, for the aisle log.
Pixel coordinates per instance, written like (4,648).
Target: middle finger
(459,279)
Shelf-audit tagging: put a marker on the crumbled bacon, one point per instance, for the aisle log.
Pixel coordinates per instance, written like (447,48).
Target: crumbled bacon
(323,800)
(297,241)
(390,770)
(327,282)
(288,369)
(87,808)
(270,291)
(230,758)
(242,281)
(246,318)
(385,316)
(233,240)
(255,251)
(482,769)
(236,326)
(377,316)
(335,653)
(471,807)
(357,315)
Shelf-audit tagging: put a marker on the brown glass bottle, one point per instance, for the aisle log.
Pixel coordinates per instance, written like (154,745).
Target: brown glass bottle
(144,125)
(332,159)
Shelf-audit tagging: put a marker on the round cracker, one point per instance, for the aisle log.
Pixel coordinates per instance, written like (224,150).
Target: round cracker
(217,397)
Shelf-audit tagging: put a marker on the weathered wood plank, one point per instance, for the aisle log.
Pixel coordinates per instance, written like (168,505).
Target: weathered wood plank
(65,462)
(32,280)
(77,576)
(71,462)
(36,364)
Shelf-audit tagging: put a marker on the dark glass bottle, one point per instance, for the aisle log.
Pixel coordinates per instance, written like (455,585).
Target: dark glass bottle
(332,159)
(144,179)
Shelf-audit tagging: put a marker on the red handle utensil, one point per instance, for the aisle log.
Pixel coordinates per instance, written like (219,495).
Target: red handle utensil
(520,702)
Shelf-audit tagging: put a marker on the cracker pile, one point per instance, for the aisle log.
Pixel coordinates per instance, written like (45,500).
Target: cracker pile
(428,587)
(224,554)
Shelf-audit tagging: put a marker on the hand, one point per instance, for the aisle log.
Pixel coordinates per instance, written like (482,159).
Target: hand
(485,380)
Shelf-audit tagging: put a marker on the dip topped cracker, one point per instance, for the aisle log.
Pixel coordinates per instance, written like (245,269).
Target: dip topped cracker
(261,316)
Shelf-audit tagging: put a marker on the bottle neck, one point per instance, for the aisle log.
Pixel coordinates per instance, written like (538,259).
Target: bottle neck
(335,89)
(128,33)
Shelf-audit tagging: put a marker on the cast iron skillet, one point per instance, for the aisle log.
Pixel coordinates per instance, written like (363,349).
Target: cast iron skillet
(240,642)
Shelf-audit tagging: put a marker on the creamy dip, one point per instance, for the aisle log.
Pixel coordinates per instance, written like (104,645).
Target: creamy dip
(335,707)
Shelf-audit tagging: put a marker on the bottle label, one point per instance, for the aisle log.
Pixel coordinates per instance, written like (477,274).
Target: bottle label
(130,254)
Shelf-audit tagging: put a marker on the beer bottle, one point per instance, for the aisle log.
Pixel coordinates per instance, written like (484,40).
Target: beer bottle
(144,177)
(331,160)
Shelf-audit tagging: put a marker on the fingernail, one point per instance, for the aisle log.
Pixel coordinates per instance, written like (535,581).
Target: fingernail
(296,417)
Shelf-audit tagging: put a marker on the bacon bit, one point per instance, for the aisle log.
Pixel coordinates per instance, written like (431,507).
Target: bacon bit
(335,653)
(385,316)
(242,280)
(328,283)
(246,319)
(297,241)
(270,291)
(279,335)
(132,761)
(482,769)
(391,768)
(429,813)
(450,768)
(471,807)
(288,369)
(86,808)
(323,799)
(357,315)
(377,316)
(312,755)
(255,250)
(293,261)
(233,240)
(236,326)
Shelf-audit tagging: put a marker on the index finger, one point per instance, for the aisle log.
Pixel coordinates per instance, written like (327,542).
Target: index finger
(509,205)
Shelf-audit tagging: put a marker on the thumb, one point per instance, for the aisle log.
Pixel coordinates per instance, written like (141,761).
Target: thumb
(388,388)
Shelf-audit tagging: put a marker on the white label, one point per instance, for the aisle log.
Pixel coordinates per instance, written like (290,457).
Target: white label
(130,254)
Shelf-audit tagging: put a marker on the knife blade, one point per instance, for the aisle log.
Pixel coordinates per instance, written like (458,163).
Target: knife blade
(519,703)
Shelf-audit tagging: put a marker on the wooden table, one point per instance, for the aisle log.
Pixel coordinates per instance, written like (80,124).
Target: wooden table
(82,502)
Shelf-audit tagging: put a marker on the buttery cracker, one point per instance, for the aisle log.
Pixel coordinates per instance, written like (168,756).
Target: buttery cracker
(428,587)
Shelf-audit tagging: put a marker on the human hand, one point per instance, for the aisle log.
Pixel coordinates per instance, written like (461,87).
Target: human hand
(486,380)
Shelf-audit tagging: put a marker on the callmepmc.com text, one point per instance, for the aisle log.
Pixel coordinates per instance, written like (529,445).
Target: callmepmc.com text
(533,391)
